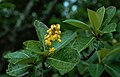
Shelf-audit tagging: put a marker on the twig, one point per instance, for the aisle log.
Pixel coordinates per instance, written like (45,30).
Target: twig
(47,12)
(23,15)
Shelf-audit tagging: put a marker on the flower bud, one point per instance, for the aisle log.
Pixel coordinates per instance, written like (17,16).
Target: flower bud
(59,32)
(58,40)
(57,26)
(51,50)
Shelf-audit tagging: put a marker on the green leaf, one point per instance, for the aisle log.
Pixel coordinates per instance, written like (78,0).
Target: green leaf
(112,52)
(7,5)
(101,12)
(33,46)
(95,70)
(77,23)
(93,58)
(18,70)
(21,56)
(66,38)
(113,69)
(94,19)
(41,30)
(64,60)
(107,36)
(109,28)
(82,42)
(110,12)
(38,70)
(82,67)
(102,53)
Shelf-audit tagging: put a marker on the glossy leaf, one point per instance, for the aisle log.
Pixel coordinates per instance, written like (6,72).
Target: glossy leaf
(18,70)
(100,13)
(109,28)
(93,58)
(33,46)
(82,42)
(107,36)
(64,60)
(21,56)
(113,69)
(41,30)
(112,53)
(102,53)
(82,67)
(77,23)
(110,12)
(95,70)
(94,19)
(66,38)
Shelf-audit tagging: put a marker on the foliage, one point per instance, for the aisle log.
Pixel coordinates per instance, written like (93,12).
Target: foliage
(83,48)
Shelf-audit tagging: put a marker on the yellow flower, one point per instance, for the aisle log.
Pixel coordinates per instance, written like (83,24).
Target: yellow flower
(51,50)
(53,34)
(49,30)
(58,26)
(47,42)
(58,40)
(58,36)
(53,37)
(52,27)
(56,32)
(46,37)
(59,32)
(50,33)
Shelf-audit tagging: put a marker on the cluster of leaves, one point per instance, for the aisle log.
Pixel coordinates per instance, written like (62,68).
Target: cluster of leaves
(85,47)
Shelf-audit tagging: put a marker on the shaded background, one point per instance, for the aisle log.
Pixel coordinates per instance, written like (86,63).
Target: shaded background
(16,21)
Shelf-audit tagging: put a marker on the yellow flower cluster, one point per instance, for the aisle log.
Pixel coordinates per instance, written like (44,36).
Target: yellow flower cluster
(53,34)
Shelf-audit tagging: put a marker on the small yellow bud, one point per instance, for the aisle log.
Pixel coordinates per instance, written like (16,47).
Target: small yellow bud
(56,32)
(52,27)
(57,26)
(46,36)
(49,30)
(53,34)
(58,36)
(47,42)
(48,39)
(52,50)
(50,33)
(58,40)
(53,37)
(59,32)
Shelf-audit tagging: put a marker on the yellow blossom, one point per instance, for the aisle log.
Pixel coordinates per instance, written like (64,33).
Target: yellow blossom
(58,36)
(51,50)
(58,40)
(59,32)
(53,34)
(47,42)
(52,27)
(57,26)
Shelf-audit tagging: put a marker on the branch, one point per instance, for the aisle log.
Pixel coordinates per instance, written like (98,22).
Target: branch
(49,9)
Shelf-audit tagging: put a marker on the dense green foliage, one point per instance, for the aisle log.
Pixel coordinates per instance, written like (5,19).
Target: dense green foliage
(71,51)
(90,39)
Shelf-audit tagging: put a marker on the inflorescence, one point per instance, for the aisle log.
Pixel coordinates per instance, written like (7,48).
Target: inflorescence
(53,34)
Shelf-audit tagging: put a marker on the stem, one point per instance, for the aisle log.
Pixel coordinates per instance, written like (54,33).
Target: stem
(43,53)
(24,15)
(49,9)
